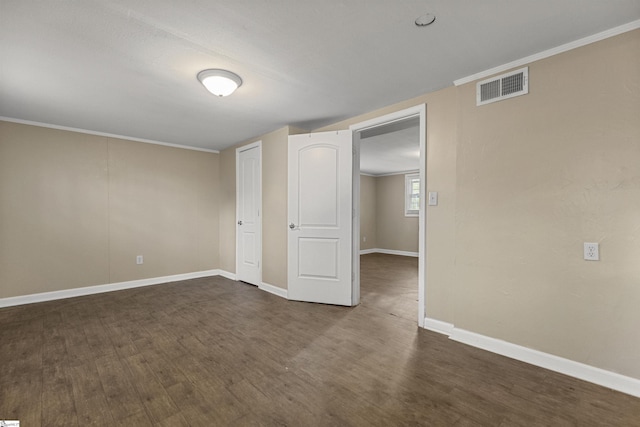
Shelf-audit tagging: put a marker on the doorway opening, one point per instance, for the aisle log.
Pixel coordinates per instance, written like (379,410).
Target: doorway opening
(389,196)
(389,232)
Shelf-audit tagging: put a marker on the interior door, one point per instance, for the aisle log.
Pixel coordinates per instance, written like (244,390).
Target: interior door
(320,218)
(249,224)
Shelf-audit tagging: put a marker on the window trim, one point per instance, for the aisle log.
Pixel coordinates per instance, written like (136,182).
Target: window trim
(408,179)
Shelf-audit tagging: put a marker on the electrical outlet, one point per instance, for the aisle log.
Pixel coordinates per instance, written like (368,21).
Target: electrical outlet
(592,251)
(364,238)
(139,259)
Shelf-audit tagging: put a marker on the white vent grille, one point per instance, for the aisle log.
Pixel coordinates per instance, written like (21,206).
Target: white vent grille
(502,87)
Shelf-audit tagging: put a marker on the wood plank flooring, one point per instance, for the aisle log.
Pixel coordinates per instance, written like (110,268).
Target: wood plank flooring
(389,283)
(211,351)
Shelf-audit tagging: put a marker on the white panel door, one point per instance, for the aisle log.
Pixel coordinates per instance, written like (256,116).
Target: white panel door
(249,224)
(320,218)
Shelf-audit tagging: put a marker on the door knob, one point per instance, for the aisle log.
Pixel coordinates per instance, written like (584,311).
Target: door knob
(292,226)
(240,222)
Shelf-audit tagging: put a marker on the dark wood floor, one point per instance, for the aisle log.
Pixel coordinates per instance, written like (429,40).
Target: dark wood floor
(210,352)
(389,283)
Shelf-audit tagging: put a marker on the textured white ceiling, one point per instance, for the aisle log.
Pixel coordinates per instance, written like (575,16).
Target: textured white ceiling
(391,149)
(128,67)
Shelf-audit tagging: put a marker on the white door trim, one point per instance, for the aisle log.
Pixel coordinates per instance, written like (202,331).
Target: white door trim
(417,111)
(258,145)
(355,220)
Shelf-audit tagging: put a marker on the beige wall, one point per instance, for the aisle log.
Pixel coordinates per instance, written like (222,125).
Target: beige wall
(76,209)
(394,230)
(522,184)
(539,175)
(382,219)
(367,212)
(274,205)
(227,212)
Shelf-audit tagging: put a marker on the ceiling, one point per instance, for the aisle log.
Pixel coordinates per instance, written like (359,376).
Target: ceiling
(391,148)
(128,67)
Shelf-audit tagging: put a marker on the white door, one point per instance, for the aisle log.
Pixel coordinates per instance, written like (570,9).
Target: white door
(320,218)
(248,206)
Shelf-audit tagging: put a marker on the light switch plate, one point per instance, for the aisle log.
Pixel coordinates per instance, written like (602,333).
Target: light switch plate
(433,198)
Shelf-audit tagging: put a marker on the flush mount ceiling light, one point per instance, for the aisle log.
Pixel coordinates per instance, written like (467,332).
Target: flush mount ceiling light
(426,19)
(220,82)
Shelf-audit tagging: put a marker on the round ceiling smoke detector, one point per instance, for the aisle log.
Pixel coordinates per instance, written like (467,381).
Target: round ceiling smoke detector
(426,19)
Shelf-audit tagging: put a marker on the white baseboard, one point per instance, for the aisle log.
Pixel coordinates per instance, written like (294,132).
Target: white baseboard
(389,252)
(228,275)
(564,366)
(438,326)
(368,251)
(275,290)
(98,289)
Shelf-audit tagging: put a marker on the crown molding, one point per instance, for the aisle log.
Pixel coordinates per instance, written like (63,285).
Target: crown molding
(108,135)
(633,25)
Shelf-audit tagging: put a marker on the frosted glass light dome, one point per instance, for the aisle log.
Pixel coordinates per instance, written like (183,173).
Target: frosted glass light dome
(220,82)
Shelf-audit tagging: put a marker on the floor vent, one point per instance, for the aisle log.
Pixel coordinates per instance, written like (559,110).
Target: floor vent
(506,86)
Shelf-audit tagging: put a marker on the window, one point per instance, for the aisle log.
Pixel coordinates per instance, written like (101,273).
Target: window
(412,194)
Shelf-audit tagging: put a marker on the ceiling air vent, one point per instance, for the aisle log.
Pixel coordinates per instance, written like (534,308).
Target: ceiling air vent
(508,85)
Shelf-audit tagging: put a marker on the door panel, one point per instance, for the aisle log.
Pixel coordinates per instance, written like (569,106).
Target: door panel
(318,258)
(320,164)
(320,216)
(249,226)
